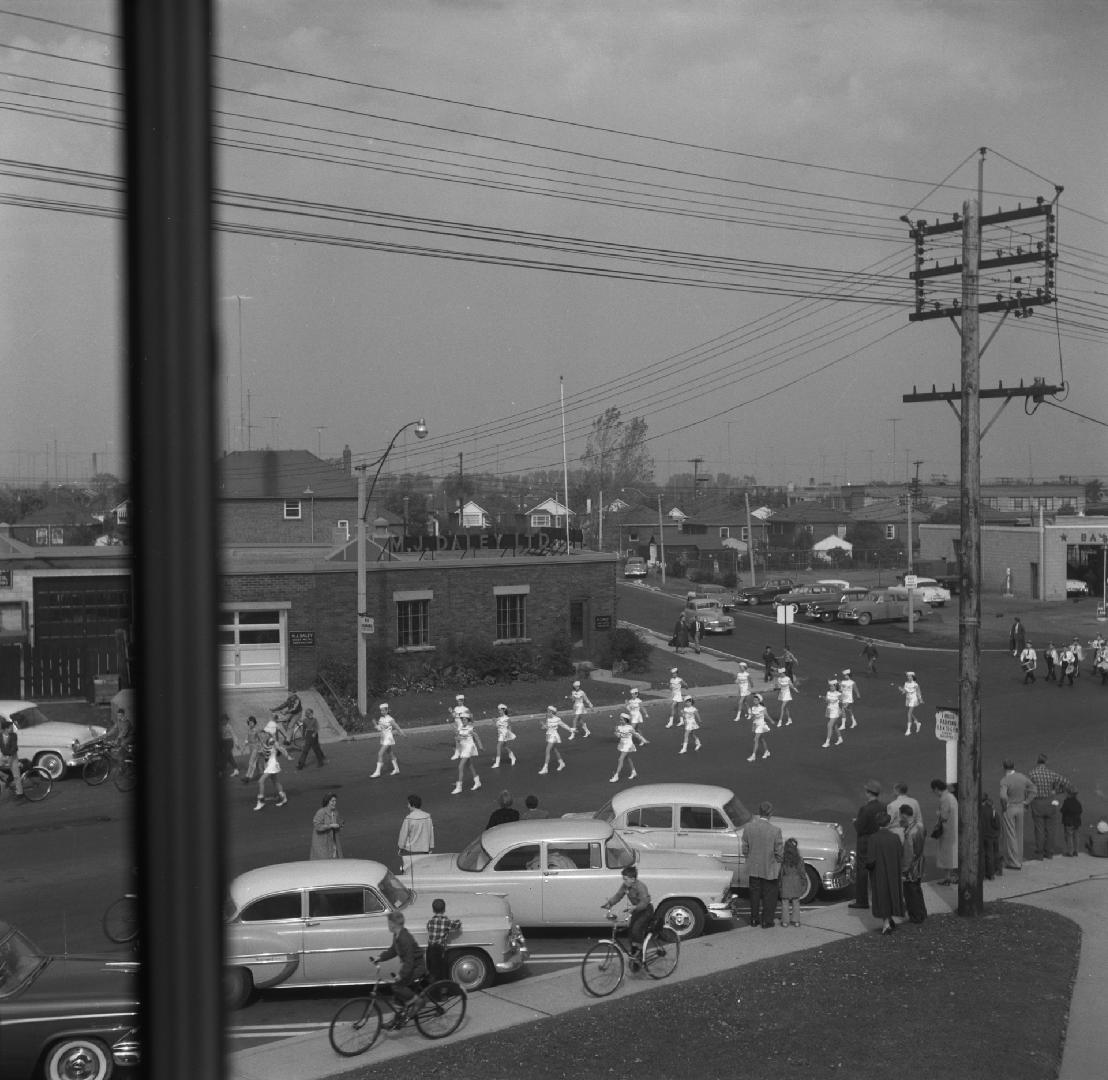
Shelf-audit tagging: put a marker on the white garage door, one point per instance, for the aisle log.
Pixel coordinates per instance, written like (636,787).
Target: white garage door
(252,648)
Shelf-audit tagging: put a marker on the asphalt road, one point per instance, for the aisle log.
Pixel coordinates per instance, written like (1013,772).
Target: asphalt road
(68,857)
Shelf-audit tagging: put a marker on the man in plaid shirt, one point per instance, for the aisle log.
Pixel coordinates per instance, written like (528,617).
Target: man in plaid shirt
(440,927)
(1044,806)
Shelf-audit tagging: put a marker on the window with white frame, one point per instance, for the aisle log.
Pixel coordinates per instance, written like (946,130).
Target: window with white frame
(511,611)
(890,532)
(724,532)
(540,521)
(292,510)
(413,618)
(744,534)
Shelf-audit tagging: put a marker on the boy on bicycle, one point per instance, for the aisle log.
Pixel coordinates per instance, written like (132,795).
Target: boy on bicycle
(642,910)
(9,752)
(412,965)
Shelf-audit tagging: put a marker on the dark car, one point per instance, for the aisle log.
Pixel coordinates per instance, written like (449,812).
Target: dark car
(764,593)
(826,608)
(65,1016)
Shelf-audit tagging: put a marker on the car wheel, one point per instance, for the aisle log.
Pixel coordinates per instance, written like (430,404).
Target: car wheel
(53,763)
(814,885)
(828,616)
(865,619)
(78,1059)
(471,970)
(684,917)
(238,985)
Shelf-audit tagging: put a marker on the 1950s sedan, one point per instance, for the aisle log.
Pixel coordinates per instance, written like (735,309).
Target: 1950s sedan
(559,872)
(316,923)
(707,820)
(64,1016)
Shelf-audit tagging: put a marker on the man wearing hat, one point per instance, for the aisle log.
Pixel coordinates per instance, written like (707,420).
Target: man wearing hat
(865,825)
(762,847)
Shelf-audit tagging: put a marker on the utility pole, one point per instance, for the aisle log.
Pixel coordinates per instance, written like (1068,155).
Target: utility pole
(1021,303)
(695,462)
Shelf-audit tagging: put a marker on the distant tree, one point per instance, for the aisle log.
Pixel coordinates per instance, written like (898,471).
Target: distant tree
(1094,492)
(615,454)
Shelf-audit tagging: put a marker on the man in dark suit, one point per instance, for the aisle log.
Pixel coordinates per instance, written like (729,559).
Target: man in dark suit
(762,847)
(865,825)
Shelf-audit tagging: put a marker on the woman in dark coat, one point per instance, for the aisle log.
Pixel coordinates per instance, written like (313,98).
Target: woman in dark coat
(681,635)
(885,852)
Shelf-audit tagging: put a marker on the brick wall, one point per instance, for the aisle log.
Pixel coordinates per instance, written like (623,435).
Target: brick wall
(262,521)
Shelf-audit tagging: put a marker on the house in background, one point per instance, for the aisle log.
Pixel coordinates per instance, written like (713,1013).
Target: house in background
(549,514)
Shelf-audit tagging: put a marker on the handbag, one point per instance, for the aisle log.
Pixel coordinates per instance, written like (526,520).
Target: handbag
(937,831)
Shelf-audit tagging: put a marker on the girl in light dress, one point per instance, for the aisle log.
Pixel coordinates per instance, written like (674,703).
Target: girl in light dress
(913,697)
(743,685)
(794,883)
(389,729)
(626,736)
(635,708)
(469,743)
(504,735)
(551,722)
(759,726)
(580,703)
(271,749)
(677,688)
(833,710)
(690,720)
(785,689)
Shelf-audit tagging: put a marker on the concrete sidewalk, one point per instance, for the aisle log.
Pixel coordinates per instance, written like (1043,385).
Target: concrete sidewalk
(1076,888)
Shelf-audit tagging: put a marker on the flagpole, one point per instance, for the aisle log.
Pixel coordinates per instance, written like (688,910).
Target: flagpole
(565,461)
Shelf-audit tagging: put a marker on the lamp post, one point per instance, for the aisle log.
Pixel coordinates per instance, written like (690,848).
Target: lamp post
(363,504)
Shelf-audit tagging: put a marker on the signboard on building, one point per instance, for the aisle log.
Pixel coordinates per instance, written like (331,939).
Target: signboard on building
(946,724)
(602,622)
(301,638)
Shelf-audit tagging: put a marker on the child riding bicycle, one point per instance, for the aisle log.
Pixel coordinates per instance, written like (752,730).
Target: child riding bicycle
(642,910)
(412,966)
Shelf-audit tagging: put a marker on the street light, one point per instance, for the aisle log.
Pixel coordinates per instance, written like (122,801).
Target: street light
(363,506)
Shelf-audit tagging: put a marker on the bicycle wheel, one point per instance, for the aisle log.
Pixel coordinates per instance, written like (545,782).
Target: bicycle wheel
(660,953)
(126,777)
(602,969)
(36,784)
(121,920)
(96,769)
(355,1026)
(442,1010)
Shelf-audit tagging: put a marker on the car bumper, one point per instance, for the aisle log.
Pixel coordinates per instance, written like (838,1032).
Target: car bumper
(719,629)
(720,912)
(843,876)
(512,962)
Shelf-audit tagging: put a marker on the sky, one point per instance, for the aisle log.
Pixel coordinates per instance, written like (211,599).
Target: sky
(500,215)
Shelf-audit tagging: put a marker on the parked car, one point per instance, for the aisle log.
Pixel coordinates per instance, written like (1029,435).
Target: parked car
(709,591)
(951,582)
(882,605)
(65,1016)
(930,590)
(703,819)
(826,608)
(764,593)
(634,567)
(316,923)
(558,872)
(49,744)
(1076,587)
(802,594)
(712,617)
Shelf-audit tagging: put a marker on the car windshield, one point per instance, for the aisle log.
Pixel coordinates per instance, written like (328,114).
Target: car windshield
(396,892)
(606,813)
(617,852)
(28,718)
(20,961)
(474,857)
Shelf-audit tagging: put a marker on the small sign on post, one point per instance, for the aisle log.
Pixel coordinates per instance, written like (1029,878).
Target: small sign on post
(786,613)
(947,722)
(365,624)
(911,581)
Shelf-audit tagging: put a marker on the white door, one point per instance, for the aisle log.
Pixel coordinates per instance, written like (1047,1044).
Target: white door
(252,649)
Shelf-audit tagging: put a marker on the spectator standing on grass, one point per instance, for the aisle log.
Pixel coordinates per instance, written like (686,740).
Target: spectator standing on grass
(759,727)
(794,882)
(626,738)
(865,825)
(886,856)
(551,723)
(869,651)
(504,812)
(440,929)
(581,704)
(417,830)
(763,847)
(915,844)
(326,826)
(743,685)
(1071,821)
(504,736)
(677,688)
(388,729)
(1016,793)
(311,741)
(850,693)
(532,810)
(1044,806)
(946,832)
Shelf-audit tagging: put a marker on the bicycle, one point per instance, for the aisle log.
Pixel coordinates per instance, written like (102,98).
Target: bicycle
(121,920)
(37,783)
(290,730)
(104,761)
(438,1009)
(604,965)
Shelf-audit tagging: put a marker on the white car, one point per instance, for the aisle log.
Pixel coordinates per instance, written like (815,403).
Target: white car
(931,592)
(49,744)
(1076,587)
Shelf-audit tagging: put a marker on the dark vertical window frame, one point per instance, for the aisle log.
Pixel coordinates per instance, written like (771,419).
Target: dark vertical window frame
(171,360)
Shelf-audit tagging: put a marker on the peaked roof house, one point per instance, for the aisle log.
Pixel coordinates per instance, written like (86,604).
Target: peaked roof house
(549,514)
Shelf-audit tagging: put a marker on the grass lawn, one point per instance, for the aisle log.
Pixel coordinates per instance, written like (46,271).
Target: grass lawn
(954,997)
